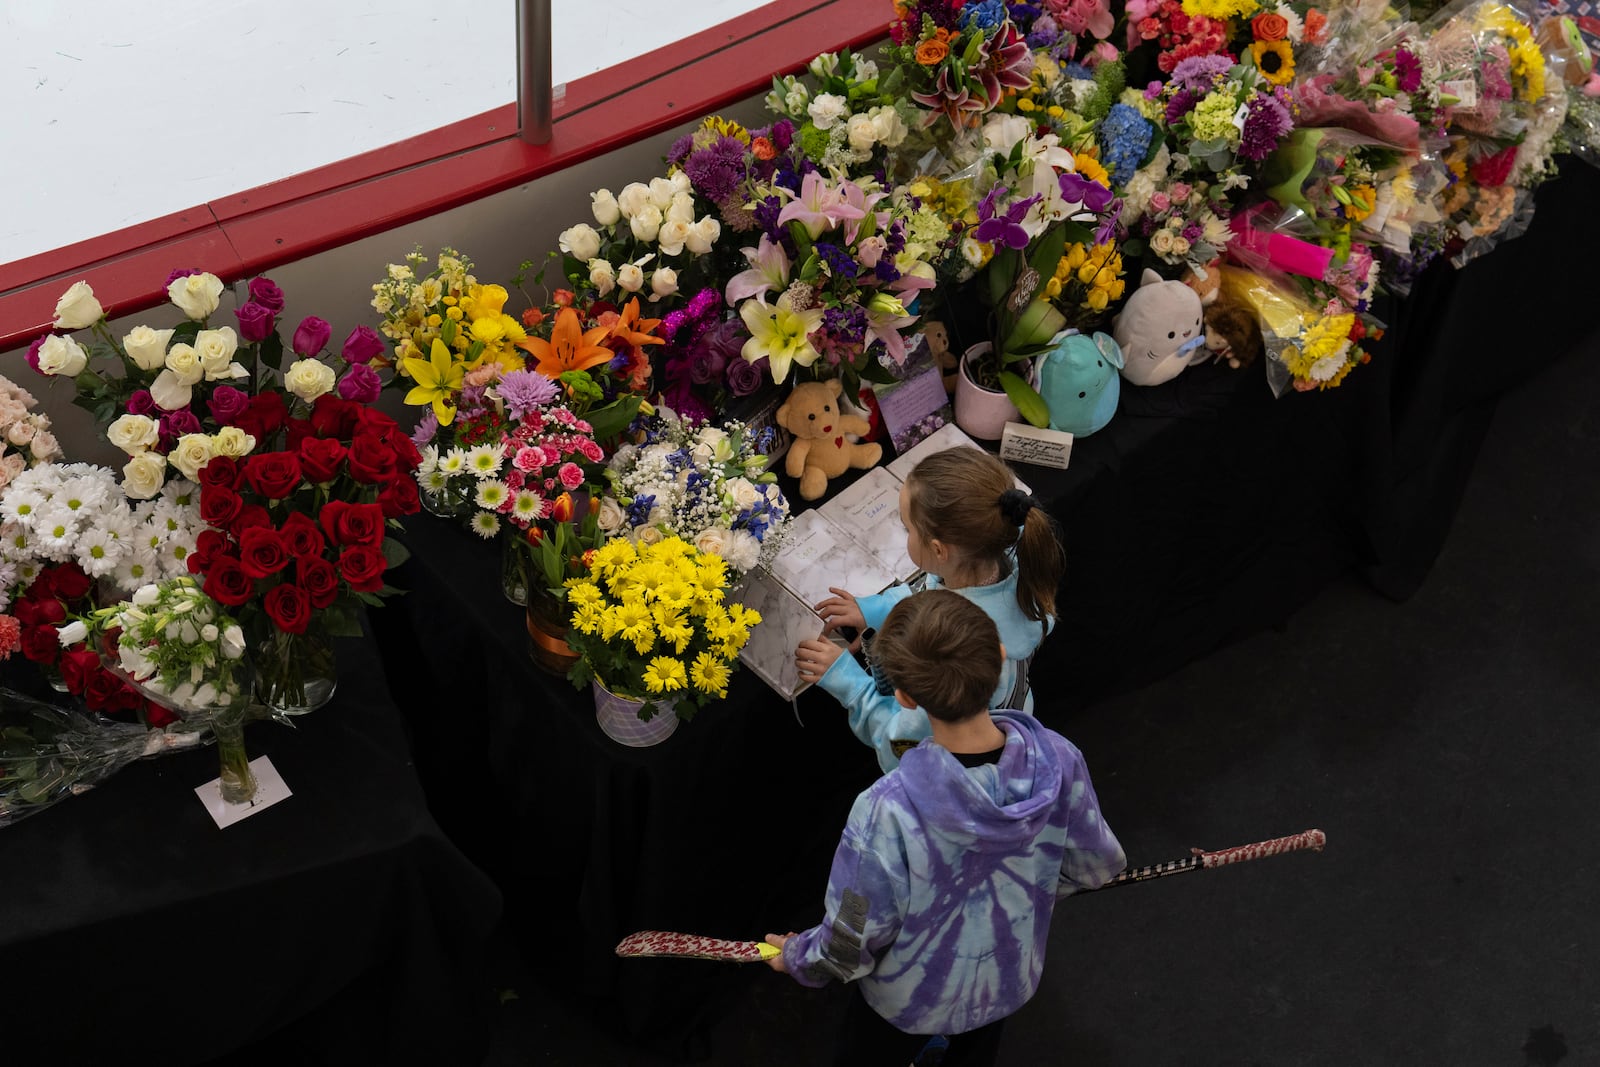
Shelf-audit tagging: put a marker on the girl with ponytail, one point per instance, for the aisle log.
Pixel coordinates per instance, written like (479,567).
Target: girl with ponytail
(974,532)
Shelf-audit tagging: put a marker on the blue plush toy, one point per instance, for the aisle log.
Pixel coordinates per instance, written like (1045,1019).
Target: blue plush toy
(1078,378)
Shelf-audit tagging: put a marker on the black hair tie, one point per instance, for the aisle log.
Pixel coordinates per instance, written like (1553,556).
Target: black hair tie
(1015,505)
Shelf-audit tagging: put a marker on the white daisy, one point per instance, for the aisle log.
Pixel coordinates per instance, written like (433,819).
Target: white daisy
(527,506)
(485,524)
(181,492)
(21,505)
(435,481)
(430,461)
(484,460)
(492,494)
(453,461)
(135,569)
(57,528)
(99,552)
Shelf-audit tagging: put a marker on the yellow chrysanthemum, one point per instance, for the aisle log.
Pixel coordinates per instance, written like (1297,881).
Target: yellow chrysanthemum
(582,592)
(1221,10)
(674,627)
(665,675)
(710,675)
(587,618)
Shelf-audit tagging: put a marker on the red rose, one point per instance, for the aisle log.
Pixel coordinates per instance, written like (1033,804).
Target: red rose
(1269,26)
(77,667)
(273,474)
(104,691)
(363,568)
(262,552)
(318,578)
(301,536)
(400,497)
(207,547)
(288,607)
(227,583)
(378,422)
(405,450)
(352,524)
(40,644)
(49,612)
(219,505)
(321,458)
(220,470)
(249,515)
(43,585)
(156,716)
(371,459)
(334,416)
(263,416)
(71,583)
(299,433)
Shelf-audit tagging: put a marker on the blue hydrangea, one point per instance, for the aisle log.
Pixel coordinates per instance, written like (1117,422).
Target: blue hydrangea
(1124,139)
(985,14)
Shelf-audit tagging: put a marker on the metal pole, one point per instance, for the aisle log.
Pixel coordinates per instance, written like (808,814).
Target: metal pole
(534,91)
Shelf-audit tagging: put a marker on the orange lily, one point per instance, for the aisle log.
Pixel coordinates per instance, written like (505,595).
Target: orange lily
(570,347)
(633,330)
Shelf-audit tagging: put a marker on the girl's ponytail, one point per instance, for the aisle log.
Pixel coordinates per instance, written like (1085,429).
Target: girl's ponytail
(1041,562)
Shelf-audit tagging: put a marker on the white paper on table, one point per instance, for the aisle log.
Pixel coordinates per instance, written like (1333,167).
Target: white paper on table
(947,436)
(270,788)
(817,554)
(868,511)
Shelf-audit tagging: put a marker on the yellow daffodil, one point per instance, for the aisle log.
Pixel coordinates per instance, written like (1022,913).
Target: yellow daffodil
(438,380)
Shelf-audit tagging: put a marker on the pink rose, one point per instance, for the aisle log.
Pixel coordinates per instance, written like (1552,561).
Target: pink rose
(1159,202)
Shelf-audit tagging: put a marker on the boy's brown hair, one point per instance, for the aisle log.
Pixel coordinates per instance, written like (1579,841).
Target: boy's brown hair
(943,651)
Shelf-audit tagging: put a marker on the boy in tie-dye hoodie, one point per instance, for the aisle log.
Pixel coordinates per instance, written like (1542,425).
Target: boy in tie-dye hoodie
(939,901)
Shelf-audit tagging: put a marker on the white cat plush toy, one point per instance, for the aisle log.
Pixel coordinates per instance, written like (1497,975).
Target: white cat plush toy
(1160,330)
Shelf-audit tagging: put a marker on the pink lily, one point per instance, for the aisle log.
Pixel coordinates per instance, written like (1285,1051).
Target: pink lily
(858,198)
(769,270)
(818,207)
(886,317)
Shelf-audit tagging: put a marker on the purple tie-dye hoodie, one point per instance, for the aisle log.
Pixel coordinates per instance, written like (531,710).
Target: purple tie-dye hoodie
(942,886)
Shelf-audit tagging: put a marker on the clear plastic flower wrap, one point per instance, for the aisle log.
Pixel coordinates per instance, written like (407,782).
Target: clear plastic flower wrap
(49,753)
(1309,344)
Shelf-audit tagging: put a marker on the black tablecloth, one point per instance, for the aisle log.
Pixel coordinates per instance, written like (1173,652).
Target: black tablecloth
(132,930)
(1206,509)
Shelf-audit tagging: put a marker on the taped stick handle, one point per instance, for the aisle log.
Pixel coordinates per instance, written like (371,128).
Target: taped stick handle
(1202,860)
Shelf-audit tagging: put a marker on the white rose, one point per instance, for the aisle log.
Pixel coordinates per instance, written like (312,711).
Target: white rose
(169,392)
(580,241)
(143,475)
(703,236)
(134,433)
(630,277)
(673,235)
(602,275)
(682,208)
(232,441)
(611,517)
(826,109)
(192,452)
(215,349)
(862,132)
(634,196)
(890,128)
(72,633)
(681,185)
(646,223)
(713,540)
(147,347)
(1161,242)
(196,295)
(62,355)
(77,308)
(184,363)
(744,493)
(309,379)
(604,206)
(647,535)
(663,282)
(661,192)
(1180,246)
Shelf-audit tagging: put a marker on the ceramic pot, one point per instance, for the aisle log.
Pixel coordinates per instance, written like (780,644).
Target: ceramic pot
(981,412)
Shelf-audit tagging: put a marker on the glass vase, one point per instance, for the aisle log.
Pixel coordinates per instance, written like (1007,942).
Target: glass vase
(547,634)
(237,782)
(295,673)
(516,567)
(451,501)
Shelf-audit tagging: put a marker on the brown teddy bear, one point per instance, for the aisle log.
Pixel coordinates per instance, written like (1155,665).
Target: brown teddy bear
(1233,333)
(938,338)
(820,451)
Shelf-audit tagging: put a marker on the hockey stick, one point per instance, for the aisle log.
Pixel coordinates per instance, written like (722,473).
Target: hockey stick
(693,946)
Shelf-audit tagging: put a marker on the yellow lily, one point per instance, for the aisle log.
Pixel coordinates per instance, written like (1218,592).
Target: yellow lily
(438,379)
(570,347)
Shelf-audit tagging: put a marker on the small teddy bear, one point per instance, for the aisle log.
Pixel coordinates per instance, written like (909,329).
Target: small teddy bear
(820,451)
(938,338)
(1233,334)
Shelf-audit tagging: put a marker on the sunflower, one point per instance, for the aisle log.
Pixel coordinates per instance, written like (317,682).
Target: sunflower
(1275,61)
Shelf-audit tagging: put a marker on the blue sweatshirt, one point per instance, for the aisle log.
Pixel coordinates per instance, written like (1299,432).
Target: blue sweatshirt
(944,880)
(878,719)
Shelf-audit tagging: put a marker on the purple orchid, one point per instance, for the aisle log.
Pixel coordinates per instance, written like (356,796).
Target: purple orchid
(1076,189)
(1003,229)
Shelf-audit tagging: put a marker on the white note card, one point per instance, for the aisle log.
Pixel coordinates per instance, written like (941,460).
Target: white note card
(868,512)
(270,788)
(1022,443)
